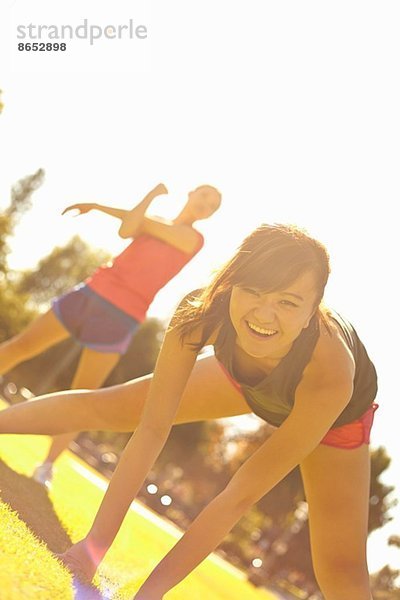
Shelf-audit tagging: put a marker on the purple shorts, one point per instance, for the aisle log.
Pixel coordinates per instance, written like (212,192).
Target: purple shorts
(93,321)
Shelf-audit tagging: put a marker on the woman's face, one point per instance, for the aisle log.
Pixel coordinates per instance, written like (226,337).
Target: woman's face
(204,201)
(267,323)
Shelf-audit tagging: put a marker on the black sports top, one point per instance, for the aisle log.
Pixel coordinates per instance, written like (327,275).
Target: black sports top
(273,397)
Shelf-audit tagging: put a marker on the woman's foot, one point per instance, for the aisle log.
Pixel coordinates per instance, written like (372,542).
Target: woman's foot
(43,474)
(78,561)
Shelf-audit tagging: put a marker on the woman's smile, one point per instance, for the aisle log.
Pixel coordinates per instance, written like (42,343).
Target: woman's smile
(261,341)
(260,332)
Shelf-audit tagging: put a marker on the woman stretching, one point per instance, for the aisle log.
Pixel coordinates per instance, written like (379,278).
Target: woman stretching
(279,354)
(103,313)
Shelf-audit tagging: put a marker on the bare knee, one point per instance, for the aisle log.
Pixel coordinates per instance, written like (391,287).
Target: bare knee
(112,409)
(86,408)
(341,578)
(116,408)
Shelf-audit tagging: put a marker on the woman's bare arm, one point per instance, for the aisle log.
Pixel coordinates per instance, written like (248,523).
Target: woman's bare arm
(85,207)
(132,220)
(179,235)
(166,389)
(318,403)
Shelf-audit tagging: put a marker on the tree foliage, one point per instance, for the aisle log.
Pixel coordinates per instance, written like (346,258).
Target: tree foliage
(385,584)
(380,494)
(21,194)
(61,270)
(14,313)
(20,202)
(394,540)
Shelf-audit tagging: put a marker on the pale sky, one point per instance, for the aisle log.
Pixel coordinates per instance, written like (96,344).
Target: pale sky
(290,109)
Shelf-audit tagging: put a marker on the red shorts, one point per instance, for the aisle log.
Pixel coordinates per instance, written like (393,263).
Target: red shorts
(349,436)
(354,434)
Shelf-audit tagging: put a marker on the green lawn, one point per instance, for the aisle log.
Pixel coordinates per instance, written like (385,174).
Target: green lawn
(35,523)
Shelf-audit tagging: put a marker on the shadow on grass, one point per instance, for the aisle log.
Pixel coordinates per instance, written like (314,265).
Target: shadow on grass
(33,505)
(31,501)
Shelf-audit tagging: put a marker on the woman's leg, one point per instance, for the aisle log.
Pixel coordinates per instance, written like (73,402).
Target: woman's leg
(336,482)
(208,395)
(43,332)
(93,369)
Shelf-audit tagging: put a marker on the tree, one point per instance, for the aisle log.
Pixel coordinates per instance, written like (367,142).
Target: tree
(394,540)
(383,584)
(60,271)
(386,582)
(20,202)
(14,314)
(380,503)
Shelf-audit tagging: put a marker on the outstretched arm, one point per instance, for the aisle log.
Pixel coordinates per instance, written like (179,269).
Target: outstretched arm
(135,222)
(132,219)
(85,207)
(315,410)
(172,371)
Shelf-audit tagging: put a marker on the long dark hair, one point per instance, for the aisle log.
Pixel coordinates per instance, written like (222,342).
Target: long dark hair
(269,259)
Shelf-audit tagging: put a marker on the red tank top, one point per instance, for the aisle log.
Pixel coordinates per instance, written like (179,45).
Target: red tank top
(134,277)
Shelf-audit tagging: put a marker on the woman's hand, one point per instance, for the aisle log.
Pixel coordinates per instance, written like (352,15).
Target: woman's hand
(78,561)
(159,189)
(81,208)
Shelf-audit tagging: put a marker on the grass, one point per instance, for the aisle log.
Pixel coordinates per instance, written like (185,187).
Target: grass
(27,569)
(35,523)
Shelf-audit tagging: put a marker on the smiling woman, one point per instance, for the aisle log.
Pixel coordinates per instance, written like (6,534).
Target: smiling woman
(299,366)
(278,274)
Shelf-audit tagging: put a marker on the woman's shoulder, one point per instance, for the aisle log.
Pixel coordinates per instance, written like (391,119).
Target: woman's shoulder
(332,358)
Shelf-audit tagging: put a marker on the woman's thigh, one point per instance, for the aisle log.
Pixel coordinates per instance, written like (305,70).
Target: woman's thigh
(336,483)
(209,394)
(43,332)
